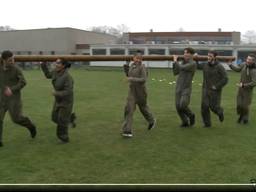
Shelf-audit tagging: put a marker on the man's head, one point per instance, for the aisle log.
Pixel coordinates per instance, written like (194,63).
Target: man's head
(188,53)
(62,64)
(137,57)
(7,58)
(250,60)
(212,56)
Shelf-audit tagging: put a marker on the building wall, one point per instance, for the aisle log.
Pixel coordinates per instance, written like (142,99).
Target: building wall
(47,41)
(87,37)
(182,37)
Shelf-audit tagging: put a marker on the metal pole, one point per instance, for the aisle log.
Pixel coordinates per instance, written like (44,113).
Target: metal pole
(31,58)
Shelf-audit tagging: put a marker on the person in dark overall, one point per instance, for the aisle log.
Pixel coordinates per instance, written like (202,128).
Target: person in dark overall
(62,82)
(214,79)
(11,83)
(185,71)
(245,86)
(136,76)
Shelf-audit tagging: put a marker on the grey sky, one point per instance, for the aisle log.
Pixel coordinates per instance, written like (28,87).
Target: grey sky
(138,15)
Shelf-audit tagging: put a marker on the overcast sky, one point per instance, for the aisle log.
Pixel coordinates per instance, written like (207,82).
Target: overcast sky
(138,15)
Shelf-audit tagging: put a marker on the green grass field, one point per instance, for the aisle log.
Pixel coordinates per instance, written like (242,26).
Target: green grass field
(97,154)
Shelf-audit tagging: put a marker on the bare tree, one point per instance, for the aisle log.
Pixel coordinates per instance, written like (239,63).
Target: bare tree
(249,37)
(6,28)
(116,31)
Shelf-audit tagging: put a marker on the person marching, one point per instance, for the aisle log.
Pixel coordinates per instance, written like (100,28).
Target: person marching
(214,79)
(11,83)
(136,76)
(245,86)
(62,82)
(185,71)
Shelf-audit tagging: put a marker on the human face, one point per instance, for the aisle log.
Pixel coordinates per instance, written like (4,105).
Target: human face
(137,59)
(58,65)
(210,57)
(187,55)
(9,61)
(250,60)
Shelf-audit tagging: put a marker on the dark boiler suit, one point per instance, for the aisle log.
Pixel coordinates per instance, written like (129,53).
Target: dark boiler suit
(137,95)
(13,78)
(245,93)
(185,72)
(214,74)
(63,104)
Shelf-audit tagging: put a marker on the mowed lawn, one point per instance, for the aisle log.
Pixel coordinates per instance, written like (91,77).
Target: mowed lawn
(97,154)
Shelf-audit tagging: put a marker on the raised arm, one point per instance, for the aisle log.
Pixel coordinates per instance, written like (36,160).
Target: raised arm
(47,73)
(236,68)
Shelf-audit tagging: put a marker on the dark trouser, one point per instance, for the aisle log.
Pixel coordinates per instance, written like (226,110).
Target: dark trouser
(61,116)
(130,108)
(15,110)
(182,101)
(244,99)
(210,101)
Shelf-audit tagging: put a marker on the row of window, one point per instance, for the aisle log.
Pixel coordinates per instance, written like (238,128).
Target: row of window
(155,52)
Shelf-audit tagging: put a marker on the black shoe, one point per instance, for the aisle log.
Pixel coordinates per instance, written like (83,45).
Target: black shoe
(32,130)
(184,124)
(207,125)
(1,144)
(192,119)
(63,138)
(72,120)
(245,121)
(152,125)
(221,117)
(239,120)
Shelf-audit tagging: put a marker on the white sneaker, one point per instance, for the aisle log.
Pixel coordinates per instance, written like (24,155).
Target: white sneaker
(127,134)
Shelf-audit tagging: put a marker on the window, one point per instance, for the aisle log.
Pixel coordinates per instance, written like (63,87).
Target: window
(99,51)
(133,51)
(156,52)
(117,52)
(176,51)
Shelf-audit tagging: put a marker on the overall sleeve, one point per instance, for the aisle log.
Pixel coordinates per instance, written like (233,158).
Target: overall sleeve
(175,68)
(224,79)
(236,68)
(46,71)
(21,81)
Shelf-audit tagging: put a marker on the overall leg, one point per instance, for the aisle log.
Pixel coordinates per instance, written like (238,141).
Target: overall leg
(2,114)
(215,99)
(205,109)
(64,114)
(180,110)
(239,105)
(144,109)
(247,98)
(184,102)
(128,115)
(15,111)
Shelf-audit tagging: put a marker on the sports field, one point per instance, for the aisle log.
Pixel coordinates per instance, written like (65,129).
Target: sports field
(97,154)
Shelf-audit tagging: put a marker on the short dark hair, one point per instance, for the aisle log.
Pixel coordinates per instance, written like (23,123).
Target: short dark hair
(213,52)
(190,50)
(66,64)
(6,54)
(252,55)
